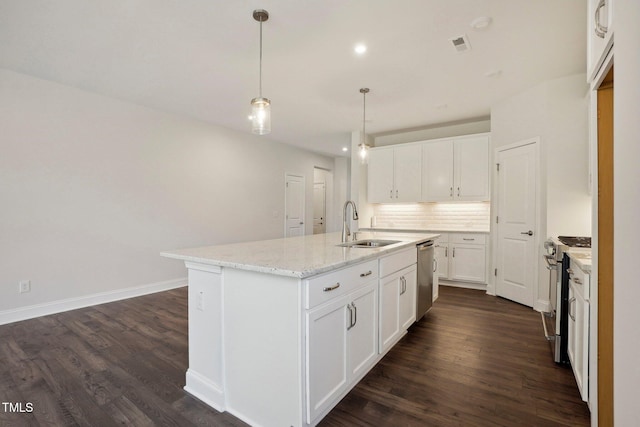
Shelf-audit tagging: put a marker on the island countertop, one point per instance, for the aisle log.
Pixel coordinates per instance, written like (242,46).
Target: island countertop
(300,257)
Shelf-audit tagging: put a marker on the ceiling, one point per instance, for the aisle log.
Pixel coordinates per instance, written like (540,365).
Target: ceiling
(199,58)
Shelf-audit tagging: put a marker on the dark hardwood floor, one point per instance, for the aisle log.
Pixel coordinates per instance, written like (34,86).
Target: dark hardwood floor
(475,360)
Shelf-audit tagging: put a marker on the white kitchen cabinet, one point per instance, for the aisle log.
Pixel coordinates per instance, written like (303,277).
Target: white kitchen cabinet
(456,169)
(394,174)
(397,293)
(599,35)
(341,346)
(437,171)
(462,257)
(578,333)
(441,254)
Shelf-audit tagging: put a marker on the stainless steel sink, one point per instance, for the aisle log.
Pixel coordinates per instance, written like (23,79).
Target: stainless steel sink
(369,243)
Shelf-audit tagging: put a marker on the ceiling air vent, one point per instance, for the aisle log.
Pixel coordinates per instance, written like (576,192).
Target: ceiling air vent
(461,43)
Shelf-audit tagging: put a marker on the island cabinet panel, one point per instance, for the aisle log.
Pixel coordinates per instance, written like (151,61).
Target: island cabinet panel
(324,287)
(397,302)
(341,347)
(205,376)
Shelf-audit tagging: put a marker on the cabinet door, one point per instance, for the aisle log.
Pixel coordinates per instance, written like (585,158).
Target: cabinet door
(471,166)
(468,262)
(599,37)
(380,176)
(437,171)
(363,335)
(571,332)
(441,254)
(326,347)
(407,173)
(389,310)
(407,311)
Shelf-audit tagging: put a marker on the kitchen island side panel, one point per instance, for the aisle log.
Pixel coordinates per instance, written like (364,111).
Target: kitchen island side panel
(263,347)
(205,376)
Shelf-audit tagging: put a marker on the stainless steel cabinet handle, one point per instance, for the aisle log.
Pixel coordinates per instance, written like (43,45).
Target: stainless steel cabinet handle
(391,194)
(331,288)
(350,317)
(368,273)
(571,301)
(435,265)
(301,223)
(466,238)
(458,191)
(446,251)
(403,285)
(454,252)
(528,233)
(355,314)
(450,191)
(600,30)
(578,281)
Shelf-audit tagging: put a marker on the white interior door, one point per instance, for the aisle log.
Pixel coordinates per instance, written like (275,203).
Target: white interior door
(294,205)
(319,208)
(517,259)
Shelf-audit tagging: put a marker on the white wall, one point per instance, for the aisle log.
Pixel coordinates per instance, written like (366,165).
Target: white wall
(626,344)
(557,112)
(93,188)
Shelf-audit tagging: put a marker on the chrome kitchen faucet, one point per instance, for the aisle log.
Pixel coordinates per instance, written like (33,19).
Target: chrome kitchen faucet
(345,227)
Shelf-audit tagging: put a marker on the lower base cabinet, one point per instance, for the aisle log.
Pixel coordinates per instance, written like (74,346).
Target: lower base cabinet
(578,336)
(341,345)
(461,257)
(397,305)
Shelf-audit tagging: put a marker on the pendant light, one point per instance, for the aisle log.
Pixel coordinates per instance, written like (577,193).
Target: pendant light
(363,147)
(260,107)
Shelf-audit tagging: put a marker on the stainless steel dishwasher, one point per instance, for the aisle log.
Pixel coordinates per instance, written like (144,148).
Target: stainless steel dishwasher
(426,267)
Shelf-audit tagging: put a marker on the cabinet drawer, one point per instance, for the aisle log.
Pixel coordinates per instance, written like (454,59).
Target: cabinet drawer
(470,238)
(320,289)
(398,261)
(580,279)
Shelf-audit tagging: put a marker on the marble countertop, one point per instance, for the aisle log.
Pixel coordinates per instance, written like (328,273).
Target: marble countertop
(299,257)
(582,257)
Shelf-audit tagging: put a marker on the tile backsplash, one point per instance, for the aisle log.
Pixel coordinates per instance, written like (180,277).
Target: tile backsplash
(472,216)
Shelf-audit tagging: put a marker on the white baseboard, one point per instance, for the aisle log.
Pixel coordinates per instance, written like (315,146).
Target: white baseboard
(206,390)
(37,310)
(466,285)
(542,305)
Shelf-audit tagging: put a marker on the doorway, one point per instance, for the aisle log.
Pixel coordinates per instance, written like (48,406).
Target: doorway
(517,222)
(294,201)
(322,200)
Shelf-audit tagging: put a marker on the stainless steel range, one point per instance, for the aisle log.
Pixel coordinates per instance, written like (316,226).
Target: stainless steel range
(556,321)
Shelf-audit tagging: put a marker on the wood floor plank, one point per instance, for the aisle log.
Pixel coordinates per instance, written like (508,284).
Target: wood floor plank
(475,360)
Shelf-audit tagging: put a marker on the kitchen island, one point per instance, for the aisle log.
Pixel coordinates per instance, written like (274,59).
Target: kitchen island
(280,330)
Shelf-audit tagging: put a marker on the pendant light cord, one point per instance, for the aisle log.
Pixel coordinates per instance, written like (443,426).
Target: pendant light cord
(260,85)
(364,115)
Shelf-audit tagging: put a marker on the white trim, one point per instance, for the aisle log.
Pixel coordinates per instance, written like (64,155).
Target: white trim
(465,285)
(205,390)
(59,306)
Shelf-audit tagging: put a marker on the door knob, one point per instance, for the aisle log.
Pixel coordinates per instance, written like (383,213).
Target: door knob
(528,233)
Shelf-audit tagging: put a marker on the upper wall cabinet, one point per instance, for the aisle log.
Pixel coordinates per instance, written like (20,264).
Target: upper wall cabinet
(394,174)
(456,169)
(599,36)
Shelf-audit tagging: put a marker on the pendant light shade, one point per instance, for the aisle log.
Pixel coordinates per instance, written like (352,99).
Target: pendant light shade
(363,147)
(260,107)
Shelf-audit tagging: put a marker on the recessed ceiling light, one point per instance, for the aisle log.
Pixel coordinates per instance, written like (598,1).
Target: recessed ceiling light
(345,149)
(360,49)
(481,23)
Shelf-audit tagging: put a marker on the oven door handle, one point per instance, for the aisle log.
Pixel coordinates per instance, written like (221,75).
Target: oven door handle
(551,262)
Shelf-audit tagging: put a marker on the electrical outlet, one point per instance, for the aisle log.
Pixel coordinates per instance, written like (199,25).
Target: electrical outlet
(24,286)
(200,301)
